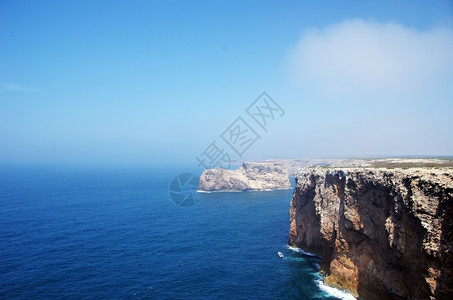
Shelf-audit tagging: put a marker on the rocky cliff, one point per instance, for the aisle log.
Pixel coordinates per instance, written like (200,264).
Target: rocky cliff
(382,232)
(250,176)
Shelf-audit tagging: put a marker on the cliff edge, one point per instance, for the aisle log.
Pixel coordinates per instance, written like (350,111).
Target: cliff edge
(250,176)
(379,230)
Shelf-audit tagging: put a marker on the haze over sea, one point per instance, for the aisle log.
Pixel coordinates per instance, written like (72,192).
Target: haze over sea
(115,233)
(152,86)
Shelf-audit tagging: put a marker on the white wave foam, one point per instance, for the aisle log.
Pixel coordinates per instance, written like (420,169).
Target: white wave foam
(233,191)
(340,294)
(295,249)
(217,191)
(335,292)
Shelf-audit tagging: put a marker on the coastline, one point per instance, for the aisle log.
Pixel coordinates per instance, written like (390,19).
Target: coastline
(237,191)
(332,291)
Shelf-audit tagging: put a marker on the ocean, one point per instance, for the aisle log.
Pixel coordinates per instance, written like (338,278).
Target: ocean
(115,233)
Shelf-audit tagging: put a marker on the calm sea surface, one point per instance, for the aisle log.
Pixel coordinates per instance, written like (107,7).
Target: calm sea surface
(115,233)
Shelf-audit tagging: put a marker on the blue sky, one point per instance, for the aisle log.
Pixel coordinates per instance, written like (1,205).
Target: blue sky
(155,82)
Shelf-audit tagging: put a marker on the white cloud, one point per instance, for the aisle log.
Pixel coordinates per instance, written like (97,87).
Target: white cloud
(370,88)
(15,87)
(359,57)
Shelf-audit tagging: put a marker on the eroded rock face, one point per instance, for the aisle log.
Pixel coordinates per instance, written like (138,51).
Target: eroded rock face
(380,232)
(250,176)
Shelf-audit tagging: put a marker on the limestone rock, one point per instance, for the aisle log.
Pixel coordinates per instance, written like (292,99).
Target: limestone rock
(294,165)
(250,176)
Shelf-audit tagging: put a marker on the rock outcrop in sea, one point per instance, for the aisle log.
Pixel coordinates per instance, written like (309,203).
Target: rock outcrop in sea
(249,176)
(383,231)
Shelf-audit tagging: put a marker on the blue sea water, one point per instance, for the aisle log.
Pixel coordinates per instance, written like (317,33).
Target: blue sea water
(111,233)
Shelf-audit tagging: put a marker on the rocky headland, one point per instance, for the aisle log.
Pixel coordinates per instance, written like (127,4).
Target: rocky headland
(383,228)
(255,176)
(294,165)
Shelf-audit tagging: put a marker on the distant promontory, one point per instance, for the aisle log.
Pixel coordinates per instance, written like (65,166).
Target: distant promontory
(250,176)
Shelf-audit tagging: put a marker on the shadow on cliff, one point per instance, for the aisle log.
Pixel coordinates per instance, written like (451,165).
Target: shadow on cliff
(392,255)
(384,249)
(445,211)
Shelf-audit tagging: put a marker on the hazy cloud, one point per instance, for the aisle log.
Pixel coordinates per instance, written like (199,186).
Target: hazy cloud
(15,87)
(371,88)
(359,56)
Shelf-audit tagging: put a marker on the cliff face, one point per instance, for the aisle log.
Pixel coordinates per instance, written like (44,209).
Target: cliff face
(379,231)
(250,176)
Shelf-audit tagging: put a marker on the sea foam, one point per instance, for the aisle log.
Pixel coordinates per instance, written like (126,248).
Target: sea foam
(327,289)
(298,250)
(334,292)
